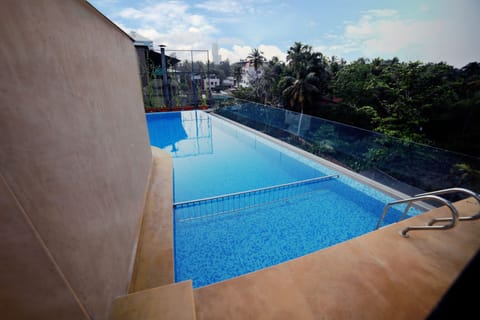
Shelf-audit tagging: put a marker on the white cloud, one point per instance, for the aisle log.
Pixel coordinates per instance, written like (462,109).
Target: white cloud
(171,23)
(222,6)
(383,33)
(241,52)
(270,51)
(237,8)
(382,12)
(157,14)
(149,33)
(236,54)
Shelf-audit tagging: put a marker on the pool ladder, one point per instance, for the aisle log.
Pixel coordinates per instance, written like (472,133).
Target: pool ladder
(434,195)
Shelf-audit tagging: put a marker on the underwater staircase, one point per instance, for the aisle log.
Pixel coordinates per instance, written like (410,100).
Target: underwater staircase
(433,196)
(233,202)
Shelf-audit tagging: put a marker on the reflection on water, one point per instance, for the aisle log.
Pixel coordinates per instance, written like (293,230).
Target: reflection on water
(182,134)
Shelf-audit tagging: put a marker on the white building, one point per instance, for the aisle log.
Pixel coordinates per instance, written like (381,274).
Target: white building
(249,74)
(229,82)
(211,82)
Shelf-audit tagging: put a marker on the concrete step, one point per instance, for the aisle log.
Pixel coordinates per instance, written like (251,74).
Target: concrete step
(173,301)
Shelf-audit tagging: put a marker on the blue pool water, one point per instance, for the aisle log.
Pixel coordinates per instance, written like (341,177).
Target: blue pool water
(212,157)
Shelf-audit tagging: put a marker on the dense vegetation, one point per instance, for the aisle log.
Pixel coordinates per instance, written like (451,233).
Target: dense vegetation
(432,103)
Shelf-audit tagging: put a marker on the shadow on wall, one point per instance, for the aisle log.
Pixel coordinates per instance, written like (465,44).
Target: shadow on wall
(459,298)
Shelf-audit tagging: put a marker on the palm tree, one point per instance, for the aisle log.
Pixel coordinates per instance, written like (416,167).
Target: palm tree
(256,58)
(309,76)
(271,90)
(297,56)
(301,90)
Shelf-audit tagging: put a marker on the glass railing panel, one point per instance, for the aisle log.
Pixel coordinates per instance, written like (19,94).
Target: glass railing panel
(406,166)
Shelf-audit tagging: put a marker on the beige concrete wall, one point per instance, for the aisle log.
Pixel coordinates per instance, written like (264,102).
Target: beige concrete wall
(74,160)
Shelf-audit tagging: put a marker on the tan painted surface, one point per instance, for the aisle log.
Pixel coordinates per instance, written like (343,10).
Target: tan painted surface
(154,261)
(174,301)
(74,152)
(27,272)
(377,276)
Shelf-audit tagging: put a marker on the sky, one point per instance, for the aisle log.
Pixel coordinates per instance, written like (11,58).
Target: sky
(421,30)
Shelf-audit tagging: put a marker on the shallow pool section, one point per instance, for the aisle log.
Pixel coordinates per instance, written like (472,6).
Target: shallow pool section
(221,237)
(212,157)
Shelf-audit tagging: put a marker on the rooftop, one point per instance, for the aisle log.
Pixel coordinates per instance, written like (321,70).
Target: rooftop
(86,205)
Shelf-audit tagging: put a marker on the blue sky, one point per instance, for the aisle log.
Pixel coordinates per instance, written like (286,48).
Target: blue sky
(425,30)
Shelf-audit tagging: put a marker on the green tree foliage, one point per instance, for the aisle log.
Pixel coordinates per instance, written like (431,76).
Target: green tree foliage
(414,101)
(271,86)
(307,77)
(221,70)
(237,72)
(301,90)
(302,60)
(256,58)
(350,83)
(432,103)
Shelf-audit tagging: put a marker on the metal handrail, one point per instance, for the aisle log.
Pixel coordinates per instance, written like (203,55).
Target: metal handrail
(404,231)
(449,191)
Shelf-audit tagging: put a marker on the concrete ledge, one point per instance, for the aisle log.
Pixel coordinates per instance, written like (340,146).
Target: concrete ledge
(154,258)
(173,302)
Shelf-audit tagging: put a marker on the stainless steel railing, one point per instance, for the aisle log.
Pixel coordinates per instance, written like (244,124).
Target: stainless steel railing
(434,195)
(410,201)
(475,195)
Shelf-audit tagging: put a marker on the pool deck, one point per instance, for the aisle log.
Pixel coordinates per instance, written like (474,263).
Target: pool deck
(379,275)
(376,276)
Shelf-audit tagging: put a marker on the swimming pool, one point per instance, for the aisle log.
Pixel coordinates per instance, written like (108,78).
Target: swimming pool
(219,237)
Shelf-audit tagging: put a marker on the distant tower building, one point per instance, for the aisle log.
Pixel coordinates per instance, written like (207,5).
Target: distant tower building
(215,55)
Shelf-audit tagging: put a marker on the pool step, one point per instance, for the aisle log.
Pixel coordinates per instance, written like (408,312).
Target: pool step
(152,293)
(174,301)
